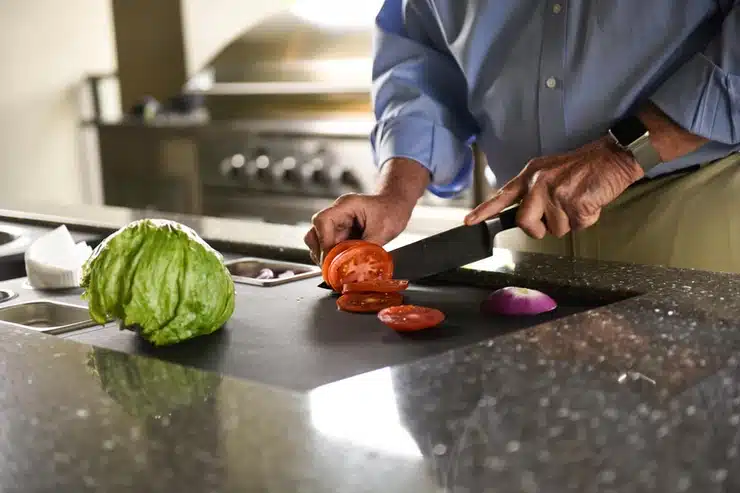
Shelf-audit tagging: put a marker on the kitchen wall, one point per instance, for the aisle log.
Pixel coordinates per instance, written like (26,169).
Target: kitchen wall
(46,48)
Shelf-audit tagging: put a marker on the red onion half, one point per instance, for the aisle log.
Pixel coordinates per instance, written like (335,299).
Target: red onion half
(518,301)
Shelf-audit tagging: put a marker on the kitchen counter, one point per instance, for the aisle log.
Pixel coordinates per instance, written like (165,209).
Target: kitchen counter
(638,395)
(224,233)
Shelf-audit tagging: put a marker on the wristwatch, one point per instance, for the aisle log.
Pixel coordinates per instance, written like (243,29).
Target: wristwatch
(632,136)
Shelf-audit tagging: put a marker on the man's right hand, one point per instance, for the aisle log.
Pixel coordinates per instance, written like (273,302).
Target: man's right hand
(380,217)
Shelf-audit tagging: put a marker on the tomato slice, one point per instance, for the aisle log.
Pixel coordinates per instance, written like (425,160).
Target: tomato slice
(368,302)
(376,286)
(336,250)
(408,318)
(360,263)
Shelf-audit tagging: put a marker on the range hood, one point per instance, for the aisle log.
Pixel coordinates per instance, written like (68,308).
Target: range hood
(294,64)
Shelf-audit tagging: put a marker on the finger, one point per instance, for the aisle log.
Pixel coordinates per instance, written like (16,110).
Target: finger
(509,193)
(531,212)
(557,221)
(312,242)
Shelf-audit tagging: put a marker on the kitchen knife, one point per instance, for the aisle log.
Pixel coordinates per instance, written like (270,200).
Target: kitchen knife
(450,249)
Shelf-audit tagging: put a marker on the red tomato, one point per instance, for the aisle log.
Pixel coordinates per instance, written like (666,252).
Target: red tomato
(368,302)
(338,248)
(407,318)
(360,263)
(376,286)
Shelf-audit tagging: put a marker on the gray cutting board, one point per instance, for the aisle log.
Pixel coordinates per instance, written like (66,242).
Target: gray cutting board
(293,336)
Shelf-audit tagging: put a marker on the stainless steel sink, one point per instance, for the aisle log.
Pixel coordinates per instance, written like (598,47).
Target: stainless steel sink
(50,317)
(6,237)
(13,240)
(7,295)
(264,272)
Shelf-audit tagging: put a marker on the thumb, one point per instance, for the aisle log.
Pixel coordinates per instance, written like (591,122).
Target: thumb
(507,195)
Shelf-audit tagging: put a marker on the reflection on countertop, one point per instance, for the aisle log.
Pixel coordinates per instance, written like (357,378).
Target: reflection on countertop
(639,395)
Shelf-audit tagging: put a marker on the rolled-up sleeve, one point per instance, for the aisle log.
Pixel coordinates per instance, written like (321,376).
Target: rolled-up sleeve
(419,94)
(703,95)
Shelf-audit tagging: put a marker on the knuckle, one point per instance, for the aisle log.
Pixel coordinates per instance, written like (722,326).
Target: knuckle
(392,226)
(346,199)
(559,194)
(318,220)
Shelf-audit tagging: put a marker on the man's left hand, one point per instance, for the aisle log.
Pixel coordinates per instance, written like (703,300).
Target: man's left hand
(568,190)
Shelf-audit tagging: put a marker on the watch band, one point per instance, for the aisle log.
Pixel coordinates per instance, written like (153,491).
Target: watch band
(645,153)
(631,135)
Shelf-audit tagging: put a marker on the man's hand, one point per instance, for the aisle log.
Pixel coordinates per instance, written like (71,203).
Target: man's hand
(570,190)
(567,190)
(380,217)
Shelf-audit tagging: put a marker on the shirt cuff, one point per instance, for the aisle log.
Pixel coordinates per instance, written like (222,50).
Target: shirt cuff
(432,145)
(703,99)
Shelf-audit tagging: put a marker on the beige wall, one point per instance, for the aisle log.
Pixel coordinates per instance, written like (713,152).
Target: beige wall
(46,48)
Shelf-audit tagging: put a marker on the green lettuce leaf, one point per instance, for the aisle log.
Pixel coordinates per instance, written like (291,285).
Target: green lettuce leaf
(161,279)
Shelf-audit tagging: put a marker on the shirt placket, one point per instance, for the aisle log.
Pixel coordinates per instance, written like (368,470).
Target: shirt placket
(552,74)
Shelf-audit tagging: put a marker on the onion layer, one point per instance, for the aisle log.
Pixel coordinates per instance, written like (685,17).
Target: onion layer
(518,301)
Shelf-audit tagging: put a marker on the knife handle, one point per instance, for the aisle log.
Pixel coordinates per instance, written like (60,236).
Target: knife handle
(356,232)
(506,219)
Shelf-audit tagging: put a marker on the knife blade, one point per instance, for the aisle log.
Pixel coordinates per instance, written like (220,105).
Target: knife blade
(449,249)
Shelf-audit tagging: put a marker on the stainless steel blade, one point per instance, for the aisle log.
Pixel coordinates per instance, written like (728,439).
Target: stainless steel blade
(441,252)
(450,249)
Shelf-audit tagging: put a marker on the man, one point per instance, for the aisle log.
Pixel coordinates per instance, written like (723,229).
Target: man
(587,111)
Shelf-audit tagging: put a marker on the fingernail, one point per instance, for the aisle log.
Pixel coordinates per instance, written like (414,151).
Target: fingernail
(470,219)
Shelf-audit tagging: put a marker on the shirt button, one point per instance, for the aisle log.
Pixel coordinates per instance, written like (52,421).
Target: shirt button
(551,83)
(557,8)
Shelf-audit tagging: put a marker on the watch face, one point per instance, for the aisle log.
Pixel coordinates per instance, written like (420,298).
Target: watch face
(628,130)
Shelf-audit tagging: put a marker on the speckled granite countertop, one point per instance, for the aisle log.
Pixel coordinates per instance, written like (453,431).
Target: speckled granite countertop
(636,396)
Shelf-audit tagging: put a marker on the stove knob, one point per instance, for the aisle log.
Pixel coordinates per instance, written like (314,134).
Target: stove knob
(348,179)
(340,176)
(298,174)
(233,166)
(321,177)
(259,167)
(280,169)
(294,176)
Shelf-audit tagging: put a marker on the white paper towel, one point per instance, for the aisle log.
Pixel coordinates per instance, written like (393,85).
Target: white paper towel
(54,261)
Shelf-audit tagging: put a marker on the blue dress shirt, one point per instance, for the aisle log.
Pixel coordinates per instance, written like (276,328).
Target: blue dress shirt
(527,78)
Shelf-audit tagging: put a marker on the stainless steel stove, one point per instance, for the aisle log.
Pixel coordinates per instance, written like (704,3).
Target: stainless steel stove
(284,130)
(286,171)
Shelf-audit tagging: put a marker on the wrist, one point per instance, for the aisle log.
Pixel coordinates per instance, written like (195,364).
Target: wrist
(625,161)
(670,140)
(403,180)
